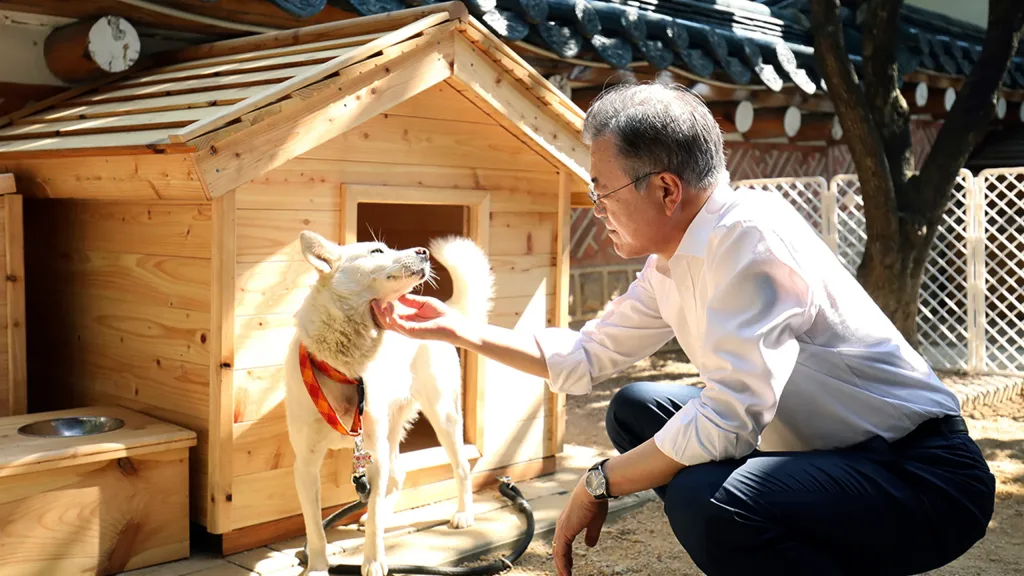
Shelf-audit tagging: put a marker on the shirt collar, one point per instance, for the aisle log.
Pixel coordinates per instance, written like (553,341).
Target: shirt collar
(695,239)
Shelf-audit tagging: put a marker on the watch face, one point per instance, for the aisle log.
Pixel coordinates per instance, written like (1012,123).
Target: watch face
(595,482)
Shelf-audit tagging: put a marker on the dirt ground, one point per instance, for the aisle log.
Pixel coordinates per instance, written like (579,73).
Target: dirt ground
(641,543)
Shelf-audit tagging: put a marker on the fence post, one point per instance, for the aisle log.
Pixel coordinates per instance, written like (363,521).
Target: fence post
(975,208)
(979,269)
(829,216)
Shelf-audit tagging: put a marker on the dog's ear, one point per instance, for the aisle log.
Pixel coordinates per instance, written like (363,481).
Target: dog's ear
(318,251)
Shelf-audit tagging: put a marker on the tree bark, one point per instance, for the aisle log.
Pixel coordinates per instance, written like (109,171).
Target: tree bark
(903,210)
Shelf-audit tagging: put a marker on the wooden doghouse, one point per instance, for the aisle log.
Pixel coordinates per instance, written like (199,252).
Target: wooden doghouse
(164,214)
(13,398)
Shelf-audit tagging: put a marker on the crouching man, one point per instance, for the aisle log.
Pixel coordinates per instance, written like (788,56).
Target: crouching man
(822,443)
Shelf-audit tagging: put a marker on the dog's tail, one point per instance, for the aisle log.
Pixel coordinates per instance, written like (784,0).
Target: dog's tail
(472,279)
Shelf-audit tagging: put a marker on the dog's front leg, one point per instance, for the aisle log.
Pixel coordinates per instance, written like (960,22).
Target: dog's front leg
(377,474)
(307,483)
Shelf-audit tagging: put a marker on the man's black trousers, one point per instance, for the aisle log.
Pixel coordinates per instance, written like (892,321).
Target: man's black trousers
(875,508)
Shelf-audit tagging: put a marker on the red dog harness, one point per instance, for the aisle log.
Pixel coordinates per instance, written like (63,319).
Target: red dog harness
(306,364)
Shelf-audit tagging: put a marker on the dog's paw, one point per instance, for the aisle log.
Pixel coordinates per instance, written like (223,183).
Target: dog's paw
(374,568)
(461,520)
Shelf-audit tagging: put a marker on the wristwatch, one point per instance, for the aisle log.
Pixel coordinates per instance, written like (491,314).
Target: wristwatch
(596,482)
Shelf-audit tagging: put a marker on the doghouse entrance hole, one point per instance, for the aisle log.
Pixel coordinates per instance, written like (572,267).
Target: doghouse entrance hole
(403,226)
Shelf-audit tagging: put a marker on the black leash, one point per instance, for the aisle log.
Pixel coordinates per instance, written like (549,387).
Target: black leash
(507,489)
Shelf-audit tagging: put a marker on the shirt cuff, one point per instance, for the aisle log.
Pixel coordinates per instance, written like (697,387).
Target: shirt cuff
(567,363)
(690,439)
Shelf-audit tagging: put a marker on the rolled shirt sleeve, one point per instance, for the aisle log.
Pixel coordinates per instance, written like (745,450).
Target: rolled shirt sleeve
(758,303)
(630,329)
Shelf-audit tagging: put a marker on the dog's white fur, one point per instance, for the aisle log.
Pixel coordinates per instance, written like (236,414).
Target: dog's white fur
(401,375)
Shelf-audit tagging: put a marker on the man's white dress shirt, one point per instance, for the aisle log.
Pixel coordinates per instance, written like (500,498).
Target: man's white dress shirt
(793,352)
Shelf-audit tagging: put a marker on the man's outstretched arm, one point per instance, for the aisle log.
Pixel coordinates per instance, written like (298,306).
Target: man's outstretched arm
(429,319)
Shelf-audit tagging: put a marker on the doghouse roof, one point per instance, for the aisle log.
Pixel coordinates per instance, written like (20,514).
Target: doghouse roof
(219,114)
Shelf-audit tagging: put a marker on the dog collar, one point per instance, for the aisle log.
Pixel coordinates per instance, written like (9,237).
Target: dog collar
(306,364)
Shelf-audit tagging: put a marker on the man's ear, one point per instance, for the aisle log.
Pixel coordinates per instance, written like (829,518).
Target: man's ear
(672,191)
(318,251)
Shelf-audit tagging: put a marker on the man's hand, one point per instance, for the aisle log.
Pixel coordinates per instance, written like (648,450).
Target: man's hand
(582,512)
(419,317)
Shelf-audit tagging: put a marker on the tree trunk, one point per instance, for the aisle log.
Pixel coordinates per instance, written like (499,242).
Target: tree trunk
(903,211)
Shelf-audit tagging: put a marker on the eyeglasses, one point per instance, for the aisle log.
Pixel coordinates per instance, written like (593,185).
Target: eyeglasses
(594,197)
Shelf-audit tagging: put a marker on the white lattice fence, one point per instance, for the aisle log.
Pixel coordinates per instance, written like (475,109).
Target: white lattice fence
(946,316)
(851,234)
(945,308)
(809,195)
(1000,269)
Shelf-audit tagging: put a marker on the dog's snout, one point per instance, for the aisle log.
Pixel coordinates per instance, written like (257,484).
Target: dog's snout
(423,253)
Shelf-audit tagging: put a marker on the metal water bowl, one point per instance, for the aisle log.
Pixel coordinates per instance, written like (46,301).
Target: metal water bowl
(71,427)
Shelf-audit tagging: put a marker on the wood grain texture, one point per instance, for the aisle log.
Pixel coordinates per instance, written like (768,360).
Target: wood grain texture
(492,88)
(278,191)
(431,142)
(522,234)
(273,235)
(390,172)
(195,86)
(304,123)
(332,27)
(222,359)
(222,97)
(385,43)
(110,124)
(555,408)
(262,341)
(137,177)
(441,102)
(25,456)
(259,393)
(7,185)
(140,279)
(100,517)
(154,229)
(272,287)
(14,336)
(213,69)
(233,61)
(122,324)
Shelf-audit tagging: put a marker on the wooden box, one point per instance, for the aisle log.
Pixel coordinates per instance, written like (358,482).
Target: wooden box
(13,395)
(174,273)
(96,504)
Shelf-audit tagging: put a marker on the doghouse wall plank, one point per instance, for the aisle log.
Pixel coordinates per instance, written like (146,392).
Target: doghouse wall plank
(63,521)
(5,384)
(438,139)
(119,312)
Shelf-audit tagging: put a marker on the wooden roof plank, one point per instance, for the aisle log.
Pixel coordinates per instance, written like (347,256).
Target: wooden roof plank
(198,85)
(310,76)
(256,65)
(128,123)
(513,106)
(304,124)
(61,97)
(139,138)
(224,97)
(271,53)
(384,22)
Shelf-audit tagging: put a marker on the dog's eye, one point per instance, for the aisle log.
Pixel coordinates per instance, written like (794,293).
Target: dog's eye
(376,251)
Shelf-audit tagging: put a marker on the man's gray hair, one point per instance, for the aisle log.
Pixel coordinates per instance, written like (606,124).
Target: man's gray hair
(659,127)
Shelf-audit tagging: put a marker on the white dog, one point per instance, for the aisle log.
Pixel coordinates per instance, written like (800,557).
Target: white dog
(401,375)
